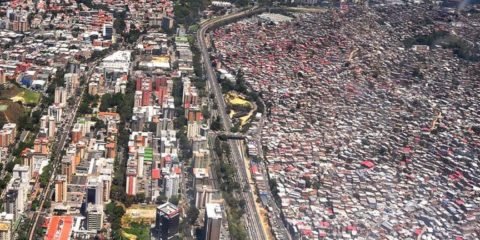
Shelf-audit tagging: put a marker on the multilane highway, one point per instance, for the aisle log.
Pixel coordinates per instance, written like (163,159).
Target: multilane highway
(253,223)
(252,218)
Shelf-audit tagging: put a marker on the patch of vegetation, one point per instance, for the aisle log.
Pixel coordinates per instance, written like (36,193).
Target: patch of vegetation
(462,48)
(230,191)
(124,107)
(27,97)
(141,231)
(187,12)
(114,214)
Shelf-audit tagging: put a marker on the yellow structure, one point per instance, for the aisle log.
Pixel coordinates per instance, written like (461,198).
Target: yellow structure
(233,99)
(139,214)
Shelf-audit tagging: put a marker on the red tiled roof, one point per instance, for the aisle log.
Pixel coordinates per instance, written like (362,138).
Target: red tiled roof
(156,174)
(59,228)
(368,164)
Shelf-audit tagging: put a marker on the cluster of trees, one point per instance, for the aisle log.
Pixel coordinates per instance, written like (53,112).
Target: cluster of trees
(180,121)
(11,164)
(133,35)
(123,104)
(187,12)
(46,173)
(4,181)
(90,4)
(462,48)
(23,229)
(97,55)
(56,81)
(230,190)
(88,102)
(114,214)
(110,101)
(239,85)
(476,129)
(216,124)
(274,187)
(120,25)
(21,146)
(29,121)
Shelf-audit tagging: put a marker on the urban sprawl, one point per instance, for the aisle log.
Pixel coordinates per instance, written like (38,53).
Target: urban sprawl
(189,119)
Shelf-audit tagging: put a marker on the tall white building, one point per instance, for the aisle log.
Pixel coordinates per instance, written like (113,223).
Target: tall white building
(16,197)
(204,195)
(60,96)
(137,102)
(44,122)
(56,112)
(94,217)
(95,191)
(171,185)
(22,173)
(48,124)
(72,82)
(52,127)
(193,129)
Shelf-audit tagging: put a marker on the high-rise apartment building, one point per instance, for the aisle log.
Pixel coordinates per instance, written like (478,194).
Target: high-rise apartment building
(171,185)
(213,221)
(167,221)
(61,189)
(94,217)
(95,191)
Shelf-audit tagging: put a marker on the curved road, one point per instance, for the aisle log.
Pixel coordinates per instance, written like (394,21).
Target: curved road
(252,219)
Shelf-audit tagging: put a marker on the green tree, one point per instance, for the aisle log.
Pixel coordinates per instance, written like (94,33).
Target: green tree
(216,124)
(119,23)
(205,112)
(174,199)
(161,199)
(140,198)
(192,215)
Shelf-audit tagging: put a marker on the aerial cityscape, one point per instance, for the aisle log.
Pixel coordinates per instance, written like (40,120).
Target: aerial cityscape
(239,119)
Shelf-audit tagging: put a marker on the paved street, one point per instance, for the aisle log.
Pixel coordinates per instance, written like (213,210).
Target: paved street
(59,146)
(252,219)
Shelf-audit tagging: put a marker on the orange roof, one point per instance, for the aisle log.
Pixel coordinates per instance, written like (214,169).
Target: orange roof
(156,174)
(59,228)
(107,114)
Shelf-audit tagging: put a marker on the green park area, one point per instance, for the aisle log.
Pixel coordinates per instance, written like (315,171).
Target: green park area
(26,96)
(137,231)
(137,220)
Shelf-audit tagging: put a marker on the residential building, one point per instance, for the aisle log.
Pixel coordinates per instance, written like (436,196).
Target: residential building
(61,189)
(167,221)
(213,221)
(94,217)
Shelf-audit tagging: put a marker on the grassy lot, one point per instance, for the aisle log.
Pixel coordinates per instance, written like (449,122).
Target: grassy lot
(137,232)
(27,97)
